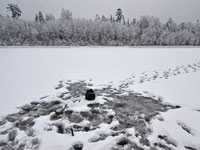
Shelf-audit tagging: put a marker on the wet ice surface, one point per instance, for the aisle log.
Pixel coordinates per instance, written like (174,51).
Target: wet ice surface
(118,116)
(113,110)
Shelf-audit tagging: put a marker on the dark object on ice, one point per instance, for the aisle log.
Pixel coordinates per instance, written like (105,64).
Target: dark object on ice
(177,106)
(90,95)
(72,132)
(60,128)
(123,141)
(86,128)
(60,111)
(190,148)
(78,145)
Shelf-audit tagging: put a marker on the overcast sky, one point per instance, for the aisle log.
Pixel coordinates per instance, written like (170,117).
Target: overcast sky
(179,10)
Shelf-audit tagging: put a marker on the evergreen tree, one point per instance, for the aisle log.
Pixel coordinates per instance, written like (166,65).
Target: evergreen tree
(36,18)
(49,17)
(40,17)
(170,25)
(119,16)
(15,10)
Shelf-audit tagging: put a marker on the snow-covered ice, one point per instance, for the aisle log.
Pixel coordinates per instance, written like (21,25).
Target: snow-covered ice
(168,74)
(29,73)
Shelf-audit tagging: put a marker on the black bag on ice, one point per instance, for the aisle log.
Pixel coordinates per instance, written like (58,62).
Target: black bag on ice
(90,95)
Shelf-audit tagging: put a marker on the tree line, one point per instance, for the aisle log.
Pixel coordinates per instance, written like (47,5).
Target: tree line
(46,30)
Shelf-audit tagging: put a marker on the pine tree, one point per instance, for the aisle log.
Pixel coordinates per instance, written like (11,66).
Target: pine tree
(15,10)
(36,18)
(40,17)
(119,16)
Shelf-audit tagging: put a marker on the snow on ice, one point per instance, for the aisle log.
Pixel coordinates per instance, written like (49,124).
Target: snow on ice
(167,77)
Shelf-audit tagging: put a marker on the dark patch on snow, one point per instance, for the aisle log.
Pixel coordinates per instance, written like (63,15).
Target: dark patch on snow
(21,146)
(12,134)
(77,89)
(25,124)
(76,118)
(3,143)
(161,146)
(167,140)
(86,114)
(60,127)
(59,86)
(134,111)
(13,117)
(2,122)
(185,127)
(190,148)
(77,145)
(43,97)
(123,141)
(54,117)
(93,105)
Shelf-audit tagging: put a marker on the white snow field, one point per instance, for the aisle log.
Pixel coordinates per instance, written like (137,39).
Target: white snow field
(169,74)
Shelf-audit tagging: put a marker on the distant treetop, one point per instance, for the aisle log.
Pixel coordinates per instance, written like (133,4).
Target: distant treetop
(15,10)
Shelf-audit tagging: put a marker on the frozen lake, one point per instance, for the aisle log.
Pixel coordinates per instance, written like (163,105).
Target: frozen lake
(29,73)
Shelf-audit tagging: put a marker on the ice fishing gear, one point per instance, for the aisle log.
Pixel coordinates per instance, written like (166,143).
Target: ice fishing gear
(90,95)
(60,111)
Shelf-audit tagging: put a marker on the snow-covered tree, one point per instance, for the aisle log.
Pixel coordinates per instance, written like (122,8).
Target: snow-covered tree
(103,18)
(99,31)
(49,17)
(97,18)
(15,10)
(144,22)
(133,21)
(66,14)
(170,25)
(128,23)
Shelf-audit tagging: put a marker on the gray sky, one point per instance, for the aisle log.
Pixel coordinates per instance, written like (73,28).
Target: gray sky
(179,10)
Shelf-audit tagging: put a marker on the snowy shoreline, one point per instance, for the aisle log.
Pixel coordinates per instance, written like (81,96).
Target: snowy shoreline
(141,47)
